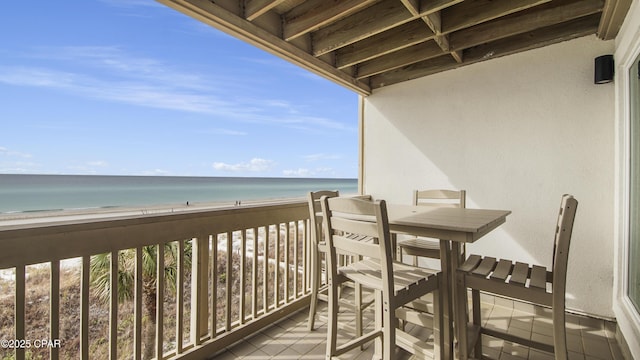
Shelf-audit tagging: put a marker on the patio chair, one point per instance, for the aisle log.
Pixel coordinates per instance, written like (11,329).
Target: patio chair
(394,283)
(318,246)
(425,247)
(531,283)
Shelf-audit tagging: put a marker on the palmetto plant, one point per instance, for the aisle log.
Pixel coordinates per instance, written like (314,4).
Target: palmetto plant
(100,280)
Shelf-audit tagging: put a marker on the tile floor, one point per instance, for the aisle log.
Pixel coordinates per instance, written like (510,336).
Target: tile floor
(588,338)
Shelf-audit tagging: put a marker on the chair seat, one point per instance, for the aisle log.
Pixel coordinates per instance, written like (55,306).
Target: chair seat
(407,278)
(421,247)
(504,277)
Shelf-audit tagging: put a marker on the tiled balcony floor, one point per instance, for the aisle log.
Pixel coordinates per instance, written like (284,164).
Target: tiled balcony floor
(588,339)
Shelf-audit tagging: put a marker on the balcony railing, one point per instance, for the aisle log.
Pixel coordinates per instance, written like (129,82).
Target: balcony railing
(184,285)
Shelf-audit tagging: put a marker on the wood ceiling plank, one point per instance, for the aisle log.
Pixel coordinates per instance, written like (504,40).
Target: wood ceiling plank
(222,19)
(373,20)
(314,14)
(400,58)
(534,39)
(612,17)
(255,8)
(431,6)
(412,5)
(472,13)
(389,41)
(517,24)
(378,18)
(527,41)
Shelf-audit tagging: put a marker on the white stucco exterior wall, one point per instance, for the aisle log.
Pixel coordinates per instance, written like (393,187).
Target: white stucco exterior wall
(627,51)
(515,132)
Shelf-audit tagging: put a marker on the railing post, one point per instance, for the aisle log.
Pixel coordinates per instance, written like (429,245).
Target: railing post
(199,289)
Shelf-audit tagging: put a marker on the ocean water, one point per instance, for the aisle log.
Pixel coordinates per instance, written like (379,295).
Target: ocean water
(31,193)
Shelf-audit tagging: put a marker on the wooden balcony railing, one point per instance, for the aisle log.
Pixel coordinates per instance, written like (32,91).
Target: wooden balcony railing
(184,285)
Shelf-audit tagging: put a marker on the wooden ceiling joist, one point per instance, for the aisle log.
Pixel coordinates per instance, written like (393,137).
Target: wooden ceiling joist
(520,23)
(384,43)
(314,14)
(255,8)
(367,44)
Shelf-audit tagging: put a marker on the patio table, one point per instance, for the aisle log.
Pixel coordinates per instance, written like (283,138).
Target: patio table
(453,226)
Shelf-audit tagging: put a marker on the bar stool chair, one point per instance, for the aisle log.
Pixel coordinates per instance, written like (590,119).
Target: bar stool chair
(425,247)
(394,283)
(318,245)
(531,283)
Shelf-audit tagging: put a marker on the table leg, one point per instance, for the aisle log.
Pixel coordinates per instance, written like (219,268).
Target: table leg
(460,302)
(447,324)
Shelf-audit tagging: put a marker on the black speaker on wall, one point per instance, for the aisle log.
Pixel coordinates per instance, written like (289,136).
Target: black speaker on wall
(603,69)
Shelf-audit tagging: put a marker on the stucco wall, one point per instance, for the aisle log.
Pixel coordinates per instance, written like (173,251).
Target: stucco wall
(627,51)
(516,132)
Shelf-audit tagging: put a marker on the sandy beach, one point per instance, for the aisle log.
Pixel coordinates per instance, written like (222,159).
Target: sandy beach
(54,216)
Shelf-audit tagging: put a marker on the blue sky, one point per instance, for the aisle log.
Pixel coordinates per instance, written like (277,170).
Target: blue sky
(131,87)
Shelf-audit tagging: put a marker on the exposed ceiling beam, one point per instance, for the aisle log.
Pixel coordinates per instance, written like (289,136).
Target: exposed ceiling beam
(400,58)
(312,15)
(612,17)
(255,8)
(375,19)
(522,22)
(472,13)
(220,18)
(389,41)
(530,40)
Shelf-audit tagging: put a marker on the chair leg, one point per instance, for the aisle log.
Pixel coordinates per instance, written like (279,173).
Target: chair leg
(438,340)
(389,330)
(315,286)
(357,306)
(332,321)
(559,333)
(477,321)
(461,318)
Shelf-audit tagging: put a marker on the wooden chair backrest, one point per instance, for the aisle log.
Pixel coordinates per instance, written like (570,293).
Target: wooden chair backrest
(315,211)
(347,221)
(564,229)
(440,198)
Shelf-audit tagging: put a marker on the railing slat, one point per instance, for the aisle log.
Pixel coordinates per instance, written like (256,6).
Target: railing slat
(137,312)
(84,308)
(160,301)
(254,297)
(265,269)
(287,263)
(20,307)
(306,258)
(180,297)
(54,309)
(243,273)
(113,308)
(214,286)
(276,268)
(295,260)
(199,285)
(229,281)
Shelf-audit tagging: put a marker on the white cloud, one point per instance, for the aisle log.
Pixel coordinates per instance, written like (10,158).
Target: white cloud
(253,165)
(321,156)
(112,74)
(304,172)
(131,3)
(98,163)
(10,153)
(300,172)
(229,132)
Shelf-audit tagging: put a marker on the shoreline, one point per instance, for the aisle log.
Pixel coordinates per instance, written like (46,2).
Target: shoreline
(45,216)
